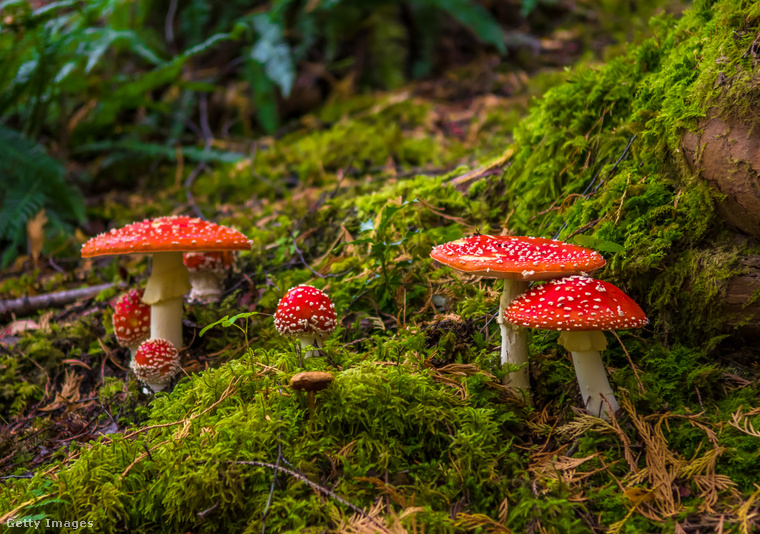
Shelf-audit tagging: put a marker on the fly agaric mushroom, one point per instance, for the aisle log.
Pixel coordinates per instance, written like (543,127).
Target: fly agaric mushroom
(156,363)
(311,382)
(207,270)
(166,238)
(518,260)
(307,314)
(131,320)
(581,308)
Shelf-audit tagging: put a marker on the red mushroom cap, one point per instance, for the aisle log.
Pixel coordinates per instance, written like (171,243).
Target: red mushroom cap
(576,303)
(305,310)
(216,261)
(166,234)
(524,258)
(156,362)
(131,318)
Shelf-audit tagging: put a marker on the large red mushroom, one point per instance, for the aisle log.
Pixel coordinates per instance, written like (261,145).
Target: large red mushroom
(517,260)
(166,238)
(581,308)
(308,315)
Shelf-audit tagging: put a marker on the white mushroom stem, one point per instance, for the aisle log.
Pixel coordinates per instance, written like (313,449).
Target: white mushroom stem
(309,341)
(166,321)
(514,341)
(133,350)
(206,285)
(167,284)
(585,347)
(153,387)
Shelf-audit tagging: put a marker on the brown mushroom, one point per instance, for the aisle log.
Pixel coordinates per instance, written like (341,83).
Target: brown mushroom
(311,382)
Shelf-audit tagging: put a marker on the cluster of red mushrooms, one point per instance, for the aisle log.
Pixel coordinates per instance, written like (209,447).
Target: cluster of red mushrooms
(149,322)
(571,302)
(190,254)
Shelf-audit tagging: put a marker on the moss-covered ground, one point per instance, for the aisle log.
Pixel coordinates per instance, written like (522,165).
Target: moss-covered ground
(417,433)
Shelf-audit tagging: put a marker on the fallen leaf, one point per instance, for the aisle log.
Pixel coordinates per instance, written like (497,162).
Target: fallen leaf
(35,234)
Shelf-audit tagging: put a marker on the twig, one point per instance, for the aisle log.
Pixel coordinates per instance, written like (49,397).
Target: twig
(586,192)
(188,189)
(303,260)
(169,26)
(208,136)
(25,305)
(321,489)
(612,171)
(146,454)
(274,477)
(207,511)
(584,228)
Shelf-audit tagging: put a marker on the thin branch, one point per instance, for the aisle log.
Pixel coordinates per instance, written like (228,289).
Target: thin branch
(169,26)
(635,371)
(321,489)
(25,305)
(188,189)
(274,477)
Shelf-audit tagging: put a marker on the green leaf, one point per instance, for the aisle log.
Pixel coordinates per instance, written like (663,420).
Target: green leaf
(212,325)
(389,212)
(153,150)
(263,96)
(227,321)
(474,18)
(273,53)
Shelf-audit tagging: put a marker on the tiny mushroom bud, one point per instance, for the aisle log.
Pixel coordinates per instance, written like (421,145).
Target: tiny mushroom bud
(581,308)
(518,260)
(307,314)
(131,320)
(156,363)
(311,382)
(207,270)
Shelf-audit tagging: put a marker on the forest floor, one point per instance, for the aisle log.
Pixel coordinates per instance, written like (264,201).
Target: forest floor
(418,432)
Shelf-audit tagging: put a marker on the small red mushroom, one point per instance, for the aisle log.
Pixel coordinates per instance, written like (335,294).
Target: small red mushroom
(131,320)
(518,260)
(207,270)
(307,314)
(166,238)
(581,308)
(156,363)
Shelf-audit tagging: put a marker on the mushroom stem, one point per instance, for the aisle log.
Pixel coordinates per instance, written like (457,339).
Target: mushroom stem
(514,341)
(167,284)
(595,387)
(133,350)
(154,388)
(585,347)
(206,286)
(309,341)
(166,321)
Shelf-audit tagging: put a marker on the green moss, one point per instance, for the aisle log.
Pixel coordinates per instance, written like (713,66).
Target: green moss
(677,261)
(417,422)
